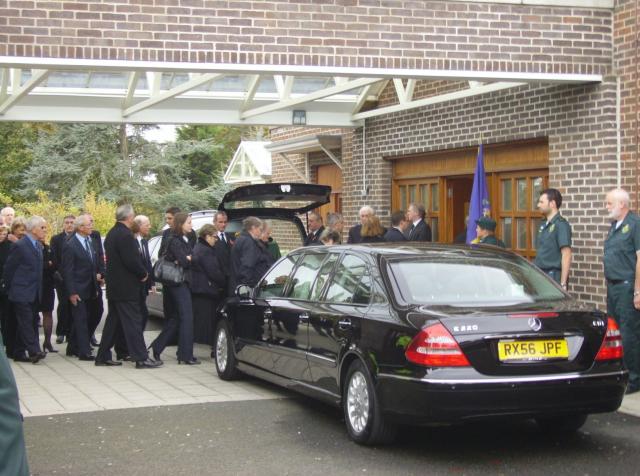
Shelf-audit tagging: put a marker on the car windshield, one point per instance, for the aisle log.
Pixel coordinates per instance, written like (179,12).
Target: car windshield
(471,282)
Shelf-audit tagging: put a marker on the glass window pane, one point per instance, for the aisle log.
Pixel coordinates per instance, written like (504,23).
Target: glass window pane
(412,194)
(535,226)
(323,275)
(435,233)
(274,283)
(424,196)
(507,196)
(345,285)
(521,233)
(506,232)
(305,275)
(536,188)
(403,197)
(435,198)
(521,186)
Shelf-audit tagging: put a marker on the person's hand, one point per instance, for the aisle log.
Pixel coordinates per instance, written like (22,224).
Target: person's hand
(12,238)
(636,302)
(153,289)
(99,278)
(189,257)
(74,298)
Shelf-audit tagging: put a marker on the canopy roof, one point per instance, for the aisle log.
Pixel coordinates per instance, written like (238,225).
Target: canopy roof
(251,163)
(64,90)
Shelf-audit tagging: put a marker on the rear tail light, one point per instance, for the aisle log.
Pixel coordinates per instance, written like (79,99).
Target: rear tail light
(611,348)
(434,346)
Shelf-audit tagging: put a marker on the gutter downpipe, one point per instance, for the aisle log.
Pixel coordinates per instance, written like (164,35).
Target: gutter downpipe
(618,135)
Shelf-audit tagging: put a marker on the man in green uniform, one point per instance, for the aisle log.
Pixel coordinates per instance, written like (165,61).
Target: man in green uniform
(13,456)
(553,243)
(622,272)
(486,232)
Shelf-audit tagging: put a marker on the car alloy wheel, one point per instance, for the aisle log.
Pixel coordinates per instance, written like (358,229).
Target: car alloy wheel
(358,402)
(225,359)
(222,350)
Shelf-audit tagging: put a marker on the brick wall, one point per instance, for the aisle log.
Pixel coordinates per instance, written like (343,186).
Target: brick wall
(367,33)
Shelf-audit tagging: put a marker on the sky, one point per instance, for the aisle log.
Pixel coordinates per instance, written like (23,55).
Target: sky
(164,133)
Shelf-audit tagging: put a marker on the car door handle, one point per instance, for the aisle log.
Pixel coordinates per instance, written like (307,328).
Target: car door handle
(304,317)
(344,324)
(268,313)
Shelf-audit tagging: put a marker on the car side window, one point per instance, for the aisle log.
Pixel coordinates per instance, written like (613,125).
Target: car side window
(323,275)
(274,283)
(305,275)
(351,284)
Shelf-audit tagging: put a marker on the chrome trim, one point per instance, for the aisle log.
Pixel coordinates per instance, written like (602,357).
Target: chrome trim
(492,380)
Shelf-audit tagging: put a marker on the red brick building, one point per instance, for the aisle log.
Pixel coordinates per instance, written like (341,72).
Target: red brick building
(410,87)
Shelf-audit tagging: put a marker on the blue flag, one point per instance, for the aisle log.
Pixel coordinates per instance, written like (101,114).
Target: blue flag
(479,204)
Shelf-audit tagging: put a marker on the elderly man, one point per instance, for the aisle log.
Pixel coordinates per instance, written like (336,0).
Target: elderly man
(355,235)
(8,214)
(246,253)
(23,275)
(126,275)
(622,272)
(144,227)
(82,274)
(335,222)
(418,230)
(314,223)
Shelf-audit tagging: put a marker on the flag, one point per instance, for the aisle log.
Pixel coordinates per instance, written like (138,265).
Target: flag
(479,203)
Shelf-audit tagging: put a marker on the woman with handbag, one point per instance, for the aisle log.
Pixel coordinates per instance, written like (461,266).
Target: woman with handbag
(179,253)
(207,284)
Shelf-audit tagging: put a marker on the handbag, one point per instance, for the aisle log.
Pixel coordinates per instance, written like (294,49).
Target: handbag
(167,272)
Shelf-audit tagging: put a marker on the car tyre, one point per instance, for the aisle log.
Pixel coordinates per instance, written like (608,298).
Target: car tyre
(363,416)
(224,356)
(562,423)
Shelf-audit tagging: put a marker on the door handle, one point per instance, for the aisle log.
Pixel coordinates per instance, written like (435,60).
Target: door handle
(304,317)
(268,313)
(344,324)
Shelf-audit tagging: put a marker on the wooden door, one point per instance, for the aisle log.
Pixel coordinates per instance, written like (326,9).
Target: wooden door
(331,175)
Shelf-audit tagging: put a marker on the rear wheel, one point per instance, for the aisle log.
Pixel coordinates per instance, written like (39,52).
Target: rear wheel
(226,364)
(562,423)
(362,413)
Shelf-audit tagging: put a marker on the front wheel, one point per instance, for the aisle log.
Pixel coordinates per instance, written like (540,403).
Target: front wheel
(226,364)
(362,413)
(562,423)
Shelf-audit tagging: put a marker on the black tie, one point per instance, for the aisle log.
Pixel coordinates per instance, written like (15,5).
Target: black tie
(413,227)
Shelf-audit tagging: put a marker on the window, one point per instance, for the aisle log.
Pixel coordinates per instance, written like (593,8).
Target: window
(323,275)
(305,275)
(275,281)
(351,283)
(426,192)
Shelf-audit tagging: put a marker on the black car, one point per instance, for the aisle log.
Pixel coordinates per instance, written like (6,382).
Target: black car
(279,203)
(423,334)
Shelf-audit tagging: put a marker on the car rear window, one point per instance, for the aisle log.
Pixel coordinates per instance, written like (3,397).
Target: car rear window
(471,281)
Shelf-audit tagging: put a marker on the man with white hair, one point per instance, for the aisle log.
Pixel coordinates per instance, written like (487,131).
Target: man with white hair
(23,275)
(8,214)
(355,235)
(622,272)
(143,225)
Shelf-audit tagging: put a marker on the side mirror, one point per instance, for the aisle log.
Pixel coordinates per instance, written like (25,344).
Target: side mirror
(243,291)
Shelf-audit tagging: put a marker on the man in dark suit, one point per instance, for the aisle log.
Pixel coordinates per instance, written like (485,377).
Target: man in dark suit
(314,224)
(246,253)
(96,312)
(355,235)
(398,225)
(125,276)
(63,327)
(23,275)
(223,247)
(143,226)
(81,272)
(419,230)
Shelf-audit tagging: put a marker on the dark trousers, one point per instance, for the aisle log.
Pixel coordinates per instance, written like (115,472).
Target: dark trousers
(182,323)
(8,325)
(79,337)
(620,307)
(127,314)
(204,318)
(94,314)
(63,327)
(143,308)
(28,317)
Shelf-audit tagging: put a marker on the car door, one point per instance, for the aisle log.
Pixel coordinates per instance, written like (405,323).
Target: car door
(154,299)
(337,320)
(291,318)
(253,317)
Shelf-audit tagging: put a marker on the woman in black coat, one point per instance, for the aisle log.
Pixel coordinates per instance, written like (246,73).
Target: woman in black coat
(179,251)
(48,296)
(207,284)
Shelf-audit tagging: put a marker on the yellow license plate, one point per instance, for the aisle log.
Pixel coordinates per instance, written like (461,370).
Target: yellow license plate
(533,349)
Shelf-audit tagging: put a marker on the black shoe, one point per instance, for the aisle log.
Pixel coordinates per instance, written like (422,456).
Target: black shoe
(35,358)
(59,339)
(156,356)
(94,342)
(107,363)
(47,347)
(71,353)
(147,364)
(193,361)
(21,358)
(88,358)
(213,353)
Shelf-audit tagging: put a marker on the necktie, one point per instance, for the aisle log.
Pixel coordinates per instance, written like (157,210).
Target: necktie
(87,246)
(222,238)
(413,227)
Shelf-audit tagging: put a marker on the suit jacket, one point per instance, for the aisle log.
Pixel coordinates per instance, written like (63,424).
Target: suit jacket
(124,266)
(245,257)
(223,253)
(96,241)
(146,262)
(57,246)
(207,276)
(314,239)
(421,232)
(165,239)
(355,234)
(393,235)
(79,270)
(22,272)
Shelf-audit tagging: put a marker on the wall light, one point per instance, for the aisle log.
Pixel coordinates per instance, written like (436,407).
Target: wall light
(299,118)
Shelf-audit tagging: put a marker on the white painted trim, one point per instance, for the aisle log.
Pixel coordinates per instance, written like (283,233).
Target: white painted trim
(465,93)
(254,82)
(362,98)
(609,4)
(37,76)
(4,83)
(332,156)
(131,89)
